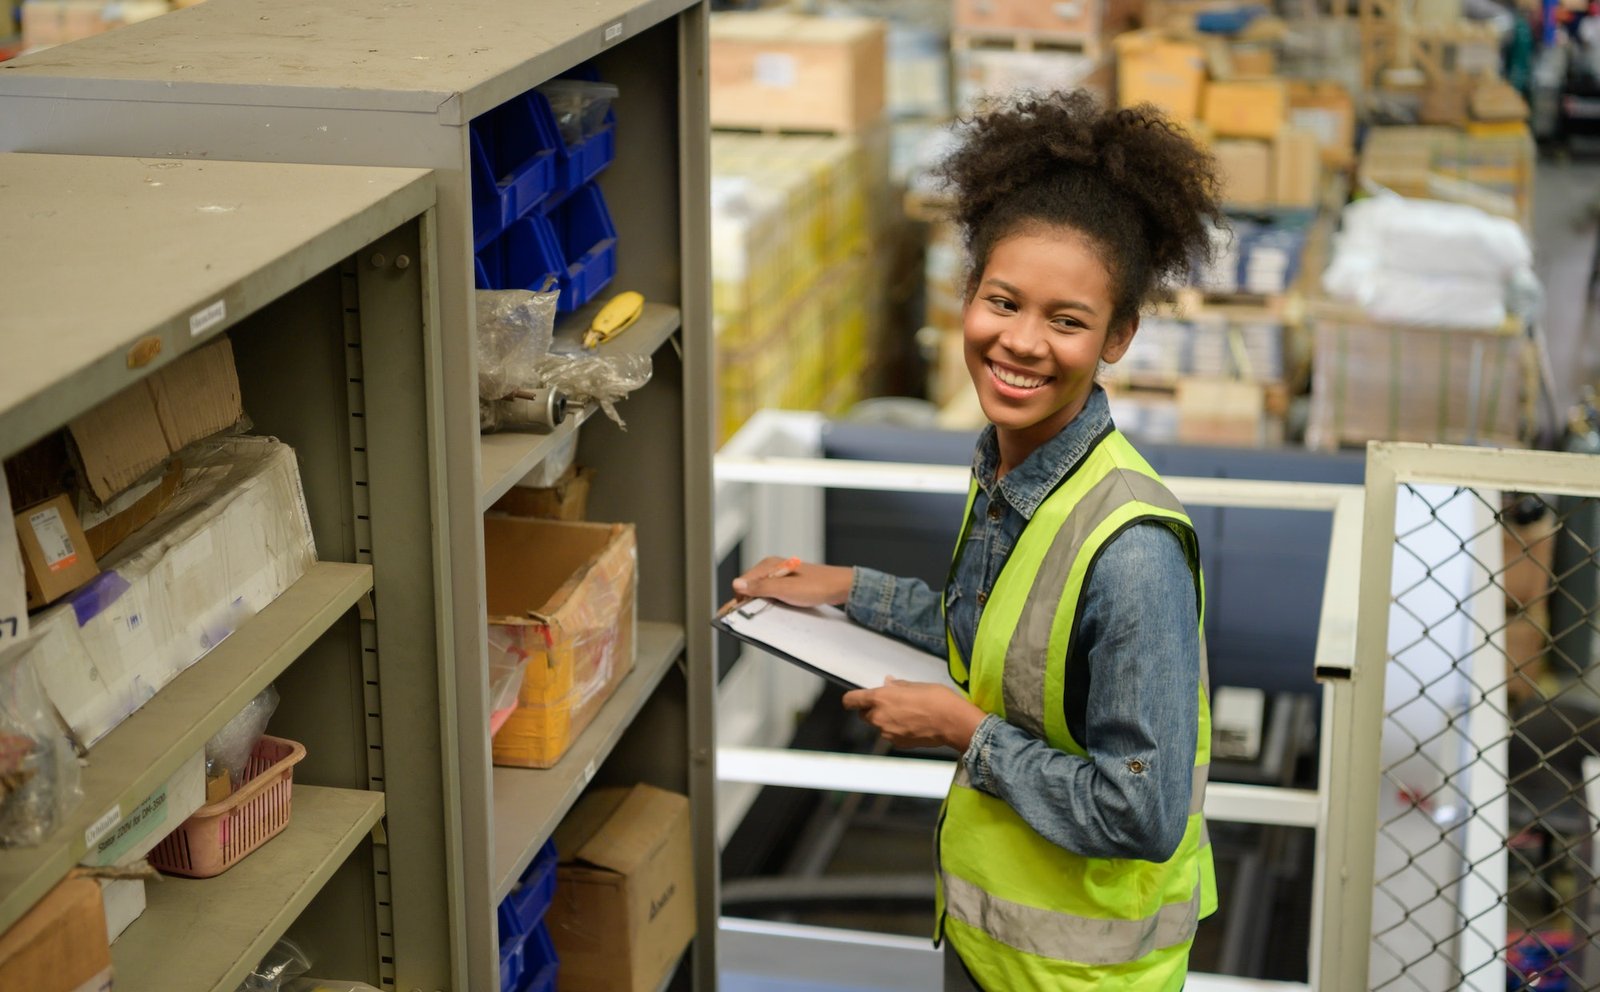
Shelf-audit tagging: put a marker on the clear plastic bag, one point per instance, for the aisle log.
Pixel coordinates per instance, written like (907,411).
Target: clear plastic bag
(604,379)
(230,748)
(39,776)
(580,106)
(515,327)
(327,985)
(278,968)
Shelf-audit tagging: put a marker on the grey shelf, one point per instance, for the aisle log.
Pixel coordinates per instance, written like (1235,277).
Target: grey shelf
(144,750)
(223,241)
(506,458)
(208,934)
(530,802)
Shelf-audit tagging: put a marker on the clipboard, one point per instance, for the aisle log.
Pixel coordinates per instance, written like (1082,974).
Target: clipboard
(824,641)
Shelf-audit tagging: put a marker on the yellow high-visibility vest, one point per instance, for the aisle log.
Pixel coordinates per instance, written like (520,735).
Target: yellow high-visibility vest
(1024,913)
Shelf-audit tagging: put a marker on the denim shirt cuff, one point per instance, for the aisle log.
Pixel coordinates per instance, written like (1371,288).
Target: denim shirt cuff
(977,755)
(871,601)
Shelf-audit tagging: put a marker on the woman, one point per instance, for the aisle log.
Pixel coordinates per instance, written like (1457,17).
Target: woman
(1072,854)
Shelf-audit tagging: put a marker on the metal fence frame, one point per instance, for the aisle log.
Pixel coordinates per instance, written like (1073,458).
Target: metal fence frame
(1359,714)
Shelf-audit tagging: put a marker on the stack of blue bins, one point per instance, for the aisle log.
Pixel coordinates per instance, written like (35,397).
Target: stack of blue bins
(537,213)
(527,957)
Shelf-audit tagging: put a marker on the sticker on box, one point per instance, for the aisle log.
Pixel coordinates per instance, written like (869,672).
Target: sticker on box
(775,69)
(54,541)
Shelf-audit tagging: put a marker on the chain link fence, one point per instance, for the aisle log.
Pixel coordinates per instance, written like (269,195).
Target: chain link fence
(1485,869)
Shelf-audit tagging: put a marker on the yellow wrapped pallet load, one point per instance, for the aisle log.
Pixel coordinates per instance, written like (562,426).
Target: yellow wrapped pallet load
(562,606)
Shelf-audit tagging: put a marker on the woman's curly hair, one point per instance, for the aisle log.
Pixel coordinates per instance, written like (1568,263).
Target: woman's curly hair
(1133,183)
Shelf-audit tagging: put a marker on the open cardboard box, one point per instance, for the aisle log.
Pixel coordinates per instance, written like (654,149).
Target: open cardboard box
(562,599)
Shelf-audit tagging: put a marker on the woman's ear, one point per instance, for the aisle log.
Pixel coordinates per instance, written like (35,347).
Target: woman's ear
(1117,341)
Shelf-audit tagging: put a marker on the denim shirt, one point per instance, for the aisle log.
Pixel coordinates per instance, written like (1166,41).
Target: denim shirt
(1139,716)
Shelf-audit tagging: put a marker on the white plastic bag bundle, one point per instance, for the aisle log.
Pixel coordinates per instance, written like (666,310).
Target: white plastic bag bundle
(1428,262)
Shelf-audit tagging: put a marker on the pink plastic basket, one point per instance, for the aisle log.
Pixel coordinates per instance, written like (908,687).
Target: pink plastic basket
(220,834)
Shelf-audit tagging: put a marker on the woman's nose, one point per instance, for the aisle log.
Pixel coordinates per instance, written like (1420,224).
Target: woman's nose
(1023,335)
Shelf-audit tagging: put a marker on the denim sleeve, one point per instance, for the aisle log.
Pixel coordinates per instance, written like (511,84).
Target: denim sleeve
(905,608)
(1130,797)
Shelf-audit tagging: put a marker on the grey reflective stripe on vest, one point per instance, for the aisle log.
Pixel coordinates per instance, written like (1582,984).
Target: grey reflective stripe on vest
(1023,684)
(1062,937)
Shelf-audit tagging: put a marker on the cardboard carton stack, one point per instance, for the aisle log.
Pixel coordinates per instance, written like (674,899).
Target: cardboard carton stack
(1004,46)
(799,187)
(56,22)
(1489,168)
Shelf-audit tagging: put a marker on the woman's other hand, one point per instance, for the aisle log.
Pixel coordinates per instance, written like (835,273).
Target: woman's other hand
(795,582)
(917,714)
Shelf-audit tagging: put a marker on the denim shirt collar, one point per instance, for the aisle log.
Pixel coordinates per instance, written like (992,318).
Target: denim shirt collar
(1027,485)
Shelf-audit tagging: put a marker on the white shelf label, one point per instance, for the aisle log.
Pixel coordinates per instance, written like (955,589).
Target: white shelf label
(202,321)
(54,541)
(776,69)
(613,32)
(588,773)
(99,828)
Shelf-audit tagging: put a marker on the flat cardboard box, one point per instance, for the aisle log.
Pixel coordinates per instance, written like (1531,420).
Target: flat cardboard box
(1246,108)
(1246,168)
(60,945)
(1297,169)
(236,535)
(124,901)
(1220,411)
(568,499)
(1325,108)
(55,552)
(108,526)
(1169,74)
(624,901)
(563,596)
(785,71)
(133,432)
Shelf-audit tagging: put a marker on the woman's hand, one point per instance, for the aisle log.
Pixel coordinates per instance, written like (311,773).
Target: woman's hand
(917,714)
(796,583)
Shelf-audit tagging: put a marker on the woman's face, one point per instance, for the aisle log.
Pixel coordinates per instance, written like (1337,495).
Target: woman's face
(1036,329)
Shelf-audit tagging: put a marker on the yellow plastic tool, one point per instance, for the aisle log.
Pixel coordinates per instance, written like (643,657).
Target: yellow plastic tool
(619,314)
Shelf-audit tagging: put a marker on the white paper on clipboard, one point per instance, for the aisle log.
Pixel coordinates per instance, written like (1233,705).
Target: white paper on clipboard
(827,642)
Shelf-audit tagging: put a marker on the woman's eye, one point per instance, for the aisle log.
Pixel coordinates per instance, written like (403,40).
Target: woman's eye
(1001,303)
(1066,324)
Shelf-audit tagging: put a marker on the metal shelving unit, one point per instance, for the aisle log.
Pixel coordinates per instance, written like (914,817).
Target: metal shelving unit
(109,263)
(372,83)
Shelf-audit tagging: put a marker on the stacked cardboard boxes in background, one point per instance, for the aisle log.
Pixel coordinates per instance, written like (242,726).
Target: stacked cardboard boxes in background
(798,211)
(56,22)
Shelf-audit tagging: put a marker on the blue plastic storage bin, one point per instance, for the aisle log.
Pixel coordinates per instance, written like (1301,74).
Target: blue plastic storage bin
(528,253)
(539,962)
(589,244)
(521,911)
(517,160)
(511,965)
(579,163)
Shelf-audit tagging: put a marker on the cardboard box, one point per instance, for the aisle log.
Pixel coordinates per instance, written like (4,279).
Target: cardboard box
(624,902)
(133,432)
(124,901)
(1529,560)
(108,526)
(55,552)
(1169,74)
(563,596)
(1326,110)
(1445,101)
(236,535)
(785,71)
(1246,61)
(1220,411)
(568,499)
(1246,168)
(1296,169)
(1087,20)
(1246,108)
(59,945)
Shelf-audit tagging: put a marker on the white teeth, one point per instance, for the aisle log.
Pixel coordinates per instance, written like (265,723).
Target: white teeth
(1020,381)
